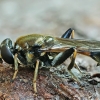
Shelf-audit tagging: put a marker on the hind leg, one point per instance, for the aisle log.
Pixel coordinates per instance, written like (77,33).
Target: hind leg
(61,57)
(70,33)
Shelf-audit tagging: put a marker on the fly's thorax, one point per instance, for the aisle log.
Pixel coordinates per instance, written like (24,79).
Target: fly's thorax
(49,41)
(44,41)
(30,40)
(39,41)
(36,39)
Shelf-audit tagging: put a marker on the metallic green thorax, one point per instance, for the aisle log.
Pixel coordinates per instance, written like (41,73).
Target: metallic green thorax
(35,39)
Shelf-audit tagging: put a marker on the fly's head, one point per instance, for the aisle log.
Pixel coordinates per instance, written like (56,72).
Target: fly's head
(7,51)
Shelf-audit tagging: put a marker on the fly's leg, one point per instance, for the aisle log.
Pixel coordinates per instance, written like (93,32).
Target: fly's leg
(72,63)
(70,33)
(67,34)
(61,57)
(35,76)
(16,67)
(77,67)
(72,36)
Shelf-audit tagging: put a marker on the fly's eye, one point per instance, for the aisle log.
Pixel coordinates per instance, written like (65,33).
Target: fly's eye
(7,54)
(6,47)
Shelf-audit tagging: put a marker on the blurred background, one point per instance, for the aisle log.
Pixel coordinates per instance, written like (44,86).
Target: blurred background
(51,17)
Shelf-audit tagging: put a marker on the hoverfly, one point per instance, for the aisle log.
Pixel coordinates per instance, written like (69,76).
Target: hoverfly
(36,50)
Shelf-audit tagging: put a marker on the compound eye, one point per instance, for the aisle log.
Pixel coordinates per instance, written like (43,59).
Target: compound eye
(7,54)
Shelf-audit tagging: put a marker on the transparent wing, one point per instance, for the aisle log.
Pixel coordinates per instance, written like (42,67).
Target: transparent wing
(60,44)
